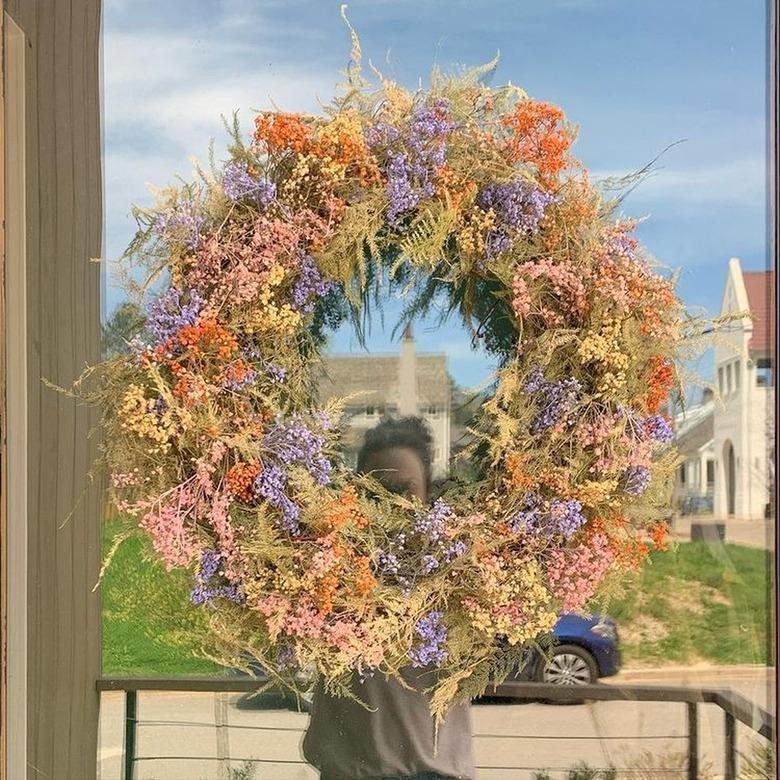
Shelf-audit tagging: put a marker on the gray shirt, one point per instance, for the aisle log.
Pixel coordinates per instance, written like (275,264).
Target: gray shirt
(346,741)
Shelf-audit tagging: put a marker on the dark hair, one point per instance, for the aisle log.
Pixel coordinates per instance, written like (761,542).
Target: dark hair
(407,432)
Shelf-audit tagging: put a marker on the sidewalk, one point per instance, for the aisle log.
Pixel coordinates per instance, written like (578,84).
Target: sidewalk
(752,533)
(683,674)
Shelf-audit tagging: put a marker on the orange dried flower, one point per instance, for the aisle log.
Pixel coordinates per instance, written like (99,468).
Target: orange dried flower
(326,590)
(539,137)
(344,510)
(208,338)
(659,533)
(364,577)
(280,132)
(629,551)
(660,382)
(240,478)
(518,477)
(236,373)
(191,390)
(557,479)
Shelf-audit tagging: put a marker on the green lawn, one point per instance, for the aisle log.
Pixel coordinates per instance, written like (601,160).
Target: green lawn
(689,605)
(148,620)
(698,604)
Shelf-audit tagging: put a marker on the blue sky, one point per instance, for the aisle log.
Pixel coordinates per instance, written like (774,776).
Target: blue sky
(636,76)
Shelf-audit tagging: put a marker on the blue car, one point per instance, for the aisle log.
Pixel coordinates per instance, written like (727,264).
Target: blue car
(585,650)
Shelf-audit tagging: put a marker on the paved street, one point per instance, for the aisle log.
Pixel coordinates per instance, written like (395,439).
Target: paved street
(508,739)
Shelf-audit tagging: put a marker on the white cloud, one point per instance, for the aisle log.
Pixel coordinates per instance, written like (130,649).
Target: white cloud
(177,87)
(164,97)
(739,182)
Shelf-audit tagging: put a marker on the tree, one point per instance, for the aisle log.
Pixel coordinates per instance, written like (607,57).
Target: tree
(125,322)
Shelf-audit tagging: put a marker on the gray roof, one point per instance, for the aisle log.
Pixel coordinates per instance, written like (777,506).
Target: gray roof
(696,435)
(692,416)
(376,377)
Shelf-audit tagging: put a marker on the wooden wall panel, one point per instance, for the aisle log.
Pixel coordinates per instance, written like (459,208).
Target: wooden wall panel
(64,210)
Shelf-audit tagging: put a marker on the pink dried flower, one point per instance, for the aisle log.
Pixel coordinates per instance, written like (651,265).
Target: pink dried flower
(574,574)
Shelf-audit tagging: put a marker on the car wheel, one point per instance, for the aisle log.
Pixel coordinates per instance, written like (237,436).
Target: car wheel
(569,665)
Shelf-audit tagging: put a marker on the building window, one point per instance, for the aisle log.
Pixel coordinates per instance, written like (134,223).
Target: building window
(433,411)
(710,472)
(764,374)
(728,379)
(720,380)
(436,453)
(736,376)
(682,473)
(371,411)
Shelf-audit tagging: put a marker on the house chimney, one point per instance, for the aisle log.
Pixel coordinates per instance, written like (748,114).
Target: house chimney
(407,375)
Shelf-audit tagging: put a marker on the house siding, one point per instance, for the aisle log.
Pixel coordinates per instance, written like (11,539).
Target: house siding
(741,414)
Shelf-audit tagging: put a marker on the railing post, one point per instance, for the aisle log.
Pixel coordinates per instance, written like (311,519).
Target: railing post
(131,721)
(730,762)
(693,741)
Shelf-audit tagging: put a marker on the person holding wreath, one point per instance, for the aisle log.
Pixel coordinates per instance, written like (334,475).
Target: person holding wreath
(391,735)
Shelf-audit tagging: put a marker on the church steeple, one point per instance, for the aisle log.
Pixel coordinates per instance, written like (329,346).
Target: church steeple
(407,375)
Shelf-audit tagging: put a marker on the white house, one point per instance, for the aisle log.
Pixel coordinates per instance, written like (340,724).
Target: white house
(743,416)
(406,384)
(694,439)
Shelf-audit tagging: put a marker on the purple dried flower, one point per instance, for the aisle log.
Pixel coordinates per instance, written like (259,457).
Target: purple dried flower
(231,592)
(636,479)
(565,517)
(388,562)
(432,635)
(238,184)
(168,314)
(181,223)
(295,444)
(658,428)
(286,657)
(204,591)
(548,518)
(200,594)
(428,132)
(519,207)
(413,156)
(557,399)
(430,523)
(455,550)
(160,407)
(529,518)
(622,244)
(324,419)
(535,381)
(276,373)
(429,563)
(309,286)
(271,484)
(381,134)
(401,193)
(209,564)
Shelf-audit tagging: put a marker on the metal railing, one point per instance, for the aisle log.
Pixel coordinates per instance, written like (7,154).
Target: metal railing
(736,708)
